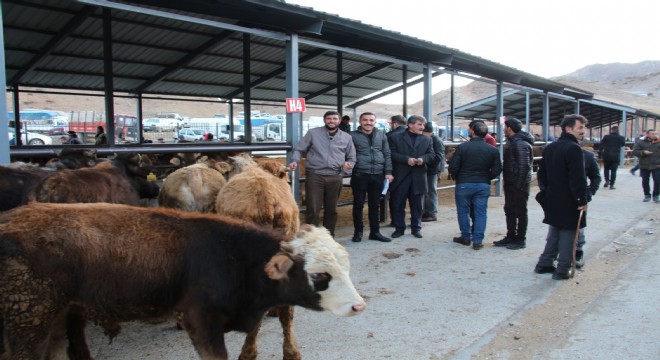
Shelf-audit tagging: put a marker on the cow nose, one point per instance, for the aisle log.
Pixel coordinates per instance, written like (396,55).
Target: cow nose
(358,308)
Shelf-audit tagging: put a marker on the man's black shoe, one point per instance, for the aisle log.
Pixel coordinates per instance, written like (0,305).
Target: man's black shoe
(561,275)
(417,234)
(462,241)
(477,246)
(544,269)
(612,187)
(504,242)
(397,234)
(429,218)
(379,237)
(357,237)
(516,245)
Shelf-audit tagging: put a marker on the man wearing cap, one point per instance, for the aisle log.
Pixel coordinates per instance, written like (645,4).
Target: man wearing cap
(411,151)
(433,168)
(73,138)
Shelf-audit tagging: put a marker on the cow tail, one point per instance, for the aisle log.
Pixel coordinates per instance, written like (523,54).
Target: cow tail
(2,336)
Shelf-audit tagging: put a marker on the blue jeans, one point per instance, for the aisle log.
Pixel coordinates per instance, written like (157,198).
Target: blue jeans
(472,195)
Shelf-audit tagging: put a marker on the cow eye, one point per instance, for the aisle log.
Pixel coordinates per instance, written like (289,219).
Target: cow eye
(319,276)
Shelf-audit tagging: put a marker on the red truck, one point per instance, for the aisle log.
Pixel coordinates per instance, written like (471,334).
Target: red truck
(126,128)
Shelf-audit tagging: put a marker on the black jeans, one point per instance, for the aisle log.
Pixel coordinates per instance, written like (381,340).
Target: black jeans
(367,186)
(515,211)
(610,171)
(646,176)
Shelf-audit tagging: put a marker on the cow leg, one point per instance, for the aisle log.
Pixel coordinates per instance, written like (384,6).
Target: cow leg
(249,350)
(75,331)
(206,333)
(290,346)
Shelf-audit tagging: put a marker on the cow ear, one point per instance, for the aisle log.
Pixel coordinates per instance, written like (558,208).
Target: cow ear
(278,266)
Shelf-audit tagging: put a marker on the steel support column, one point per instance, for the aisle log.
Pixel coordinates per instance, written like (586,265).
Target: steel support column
(452,106)
(527,112)
(624,125)
(293,120)
(499,113)
(404,74)
(428,92)
(4,123)
(340,83)
(247,94)
(546,116)
(108,77)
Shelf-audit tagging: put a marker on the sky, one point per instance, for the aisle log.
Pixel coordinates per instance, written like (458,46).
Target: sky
(544,38)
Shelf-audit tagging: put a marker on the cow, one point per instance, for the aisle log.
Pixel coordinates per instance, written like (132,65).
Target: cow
(64,261)
(120,181)
(194,187)
(18,180)
(260,193)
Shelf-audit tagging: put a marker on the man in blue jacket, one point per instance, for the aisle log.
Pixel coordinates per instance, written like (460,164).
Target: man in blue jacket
(373,166)
(563,196)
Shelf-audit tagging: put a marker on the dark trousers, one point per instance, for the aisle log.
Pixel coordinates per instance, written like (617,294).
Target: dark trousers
(515,211)
(399,196)
(366,186)
(322,190)
(610,171)
(646,176)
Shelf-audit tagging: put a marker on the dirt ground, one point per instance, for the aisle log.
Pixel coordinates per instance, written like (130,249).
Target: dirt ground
(430,298)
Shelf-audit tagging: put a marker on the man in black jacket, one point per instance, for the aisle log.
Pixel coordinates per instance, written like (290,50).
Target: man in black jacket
(610,148)
(517,174)
(563,195)
(474,165)
(411,151)
(373,166)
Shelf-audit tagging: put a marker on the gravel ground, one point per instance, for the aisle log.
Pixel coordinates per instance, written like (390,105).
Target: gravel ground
(432,299)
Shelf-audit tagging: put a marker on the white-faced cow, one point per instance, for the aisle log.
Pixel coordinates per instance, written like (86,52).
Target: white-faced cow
(111,263)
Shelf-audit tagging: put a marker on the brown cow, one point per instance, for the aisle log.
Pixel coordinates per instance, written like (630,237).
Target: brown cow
(223,274)
(120,181)
(194,187)
(260,193)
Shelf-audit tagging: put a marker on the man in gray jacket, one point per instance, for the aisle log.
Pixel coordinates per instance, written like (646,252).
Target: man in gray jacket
(372,168)
(329,152)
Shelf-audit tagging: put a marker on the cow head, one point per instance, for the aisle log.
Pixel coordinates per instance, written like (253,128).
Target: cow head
(326,268)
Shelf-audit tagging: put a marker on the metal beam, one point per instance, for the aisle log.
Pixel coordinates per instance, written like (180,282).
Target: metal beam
(57,39)
(191,56)
(348,80)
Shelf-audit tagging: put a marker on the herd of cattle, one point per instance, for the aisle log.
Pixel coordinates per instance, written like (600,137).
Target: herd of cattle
(224,247)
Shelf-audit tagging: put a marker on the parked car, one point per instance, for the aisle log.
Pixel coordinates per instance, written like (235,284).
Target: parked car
(190,134)
(32,138)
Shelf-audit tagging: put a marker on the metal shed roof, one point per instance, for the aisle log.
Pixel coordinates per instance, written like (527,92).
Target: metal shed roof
(600,113)
(196,48)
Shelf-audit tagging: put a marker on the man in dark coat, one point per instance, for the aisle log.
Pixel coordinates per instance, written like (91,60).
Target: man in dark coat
(411,151)
(398,124)
(474,165)
(563,195)
(610,148)
(517,175)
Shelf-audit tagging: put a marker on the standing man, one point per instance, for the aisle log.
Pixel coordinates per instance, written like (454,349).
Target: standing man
(73,138)
(648,152)
(433,168)
(411,151)
(610,148)
(563,195)
(517,175)
(398,124)
(474,165)
(372,167)
(345,124)
(329,152)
